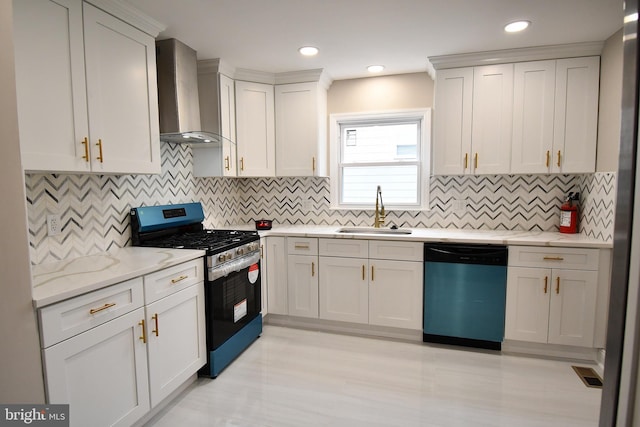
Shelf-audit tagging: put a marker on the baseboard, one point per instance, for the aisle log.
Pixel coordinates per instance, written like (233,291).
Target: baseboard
(344,327)
(554,351)
(166,402)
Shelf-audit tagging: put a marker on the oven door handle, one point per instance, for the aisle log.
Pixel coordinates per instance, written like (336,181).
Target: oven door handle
(233,266)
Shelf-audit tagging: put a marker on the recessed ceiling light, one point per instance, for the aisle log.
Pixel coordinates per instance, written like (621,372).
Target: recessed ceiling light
(516,26)
(375,68)
(308,50)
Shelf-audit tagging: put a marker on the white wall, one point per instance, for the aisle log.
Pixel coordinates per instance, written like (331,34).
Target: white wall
(610,104)
(20,365)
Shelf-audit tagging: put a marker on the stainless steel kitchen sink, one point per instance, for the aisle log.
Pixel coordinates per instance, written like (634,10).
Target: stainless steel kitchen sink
(373,230)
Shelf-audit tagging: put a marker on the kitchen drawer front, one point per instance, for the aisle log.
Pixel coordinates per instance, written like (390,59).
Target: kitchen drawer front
(568,258)
(399,251)
(173,279)
(73,316)
(349,248)
(302,246)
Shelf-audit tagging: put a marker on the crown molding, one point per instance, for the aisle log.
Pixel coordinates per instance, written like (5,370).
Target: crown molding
(207,66)
(131,15)
(536,53)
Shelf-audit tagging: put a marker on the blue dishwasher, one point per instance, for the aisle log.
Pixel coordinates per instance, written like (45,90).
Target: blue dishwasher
(465,289)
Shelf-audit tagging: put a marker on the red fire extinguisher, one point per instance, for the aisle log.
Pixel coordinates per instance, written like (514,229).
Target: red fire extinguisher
(569,214)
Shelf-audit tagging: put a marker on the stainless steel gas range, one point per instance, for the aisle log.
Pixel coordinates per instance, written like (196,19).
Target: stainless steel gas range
(232,285)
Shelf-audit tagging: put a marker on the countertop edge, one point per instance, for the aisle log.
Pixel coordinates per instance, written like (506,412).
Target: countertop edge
(44,294)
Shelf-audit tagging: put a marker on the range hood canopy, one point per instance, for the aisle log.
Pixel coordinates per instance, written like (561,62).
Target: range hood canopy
(178,99)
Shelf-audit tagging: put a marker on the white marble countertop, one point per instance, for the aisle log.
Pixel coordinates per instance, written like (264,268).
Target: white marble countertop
(57,281)
(504,237)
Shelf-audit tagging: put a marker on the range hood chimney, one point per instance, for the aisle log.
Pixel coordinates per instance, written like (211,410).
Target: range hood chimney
(178,100)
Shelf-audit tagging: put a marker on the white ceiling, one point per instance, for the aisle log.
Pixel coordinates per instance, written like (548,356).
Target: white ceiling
(264,35)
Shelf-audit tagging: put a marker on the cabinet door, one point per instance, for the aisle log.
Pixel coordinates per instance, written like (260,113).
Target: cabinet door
(122,95)
(344,289)
(576,115)
(302,285)
(395,293)
(573,307)
(50,85)
(297,129)
(533,98)
(275,254)
(176,339)
(527,309)
(452,124)
(228,125)
(255,129)
(102,371)
(492,119)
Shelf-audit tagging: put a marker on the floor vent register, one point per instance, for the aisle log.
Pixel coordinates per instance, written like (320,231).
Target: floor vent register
(589,377)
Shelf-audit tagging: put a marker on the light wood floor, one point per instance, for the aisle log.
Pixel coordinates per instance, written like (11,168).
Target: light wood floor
(292,377)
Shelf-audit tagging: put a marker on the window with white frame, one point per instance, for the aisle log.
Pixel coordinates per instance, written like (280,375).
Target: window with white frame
(390,150)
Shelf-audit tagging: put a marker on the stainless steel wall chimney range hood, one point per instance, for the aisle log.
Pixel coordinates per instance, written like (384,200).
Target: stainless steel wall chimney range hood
(178,100)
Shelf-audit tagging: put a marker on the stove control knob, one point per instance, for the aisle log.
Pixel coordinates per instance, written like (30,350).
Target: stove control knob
(229,256)
(240,251)
(221,258)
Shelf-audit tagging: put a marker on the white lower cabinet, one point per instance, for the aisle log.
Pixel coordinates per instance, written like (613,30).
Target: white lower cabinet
(102,373)
(111,358)
(552,305)
(356,287)
(302,276)
(275,256)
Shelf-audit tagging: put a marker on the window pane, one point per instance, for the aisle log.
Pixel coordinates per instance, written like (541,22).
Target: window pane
(399,184)
(380,143)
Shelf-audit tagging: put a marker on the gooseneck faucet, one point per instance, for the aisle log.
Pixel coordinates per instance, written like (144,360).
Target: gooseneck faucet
(379,218)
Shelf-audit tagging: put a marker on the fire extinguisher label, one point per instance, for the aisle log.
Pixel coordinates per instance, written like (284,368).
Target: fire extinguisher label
(565,219)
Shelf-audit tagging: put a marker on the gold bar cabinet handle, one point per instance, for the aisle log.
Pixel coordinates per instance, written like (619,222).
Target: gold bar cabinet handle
(476,162)
(553,258)
(85,142)
(241,163)
(104,307)
(313,164)
(178,279)
(466,161)
(548,157)
(559,157)
(372,276)
(362,271)
(155,318)
(301,246)
(144,335)
(313,269)
(557,286)
(226,163)
(261,251)
(546,283)
(99,144)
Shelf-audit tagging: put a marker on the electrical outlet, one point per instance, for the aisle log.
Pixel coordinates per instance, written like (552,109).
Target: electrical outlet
(305,204)
(54,226)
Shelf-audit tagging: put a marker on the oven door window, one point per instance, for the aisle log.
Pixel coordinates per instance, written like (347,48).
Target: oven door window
(232,302)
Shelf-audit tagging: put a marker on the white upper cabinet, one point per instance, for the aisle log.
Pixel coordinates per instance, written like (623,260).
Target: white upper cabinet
(533,98)
(452,124)
(107,123)
(576,115)
(555,116)
(301,141)
(50,83)
(218,115)
(527,117)
(472,128)
(255,129)
(492,119)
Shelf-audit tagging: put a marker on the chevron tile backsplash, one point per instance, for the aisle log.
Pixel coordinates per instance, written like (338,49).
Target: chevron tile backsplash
(94,208)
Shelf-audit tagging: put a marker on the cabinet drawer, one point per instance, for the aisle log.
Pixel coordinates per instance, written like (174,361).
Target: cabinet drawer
(569,258)
(73,316)
(400,251)
(344,248)
(302,246)
(170,280)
